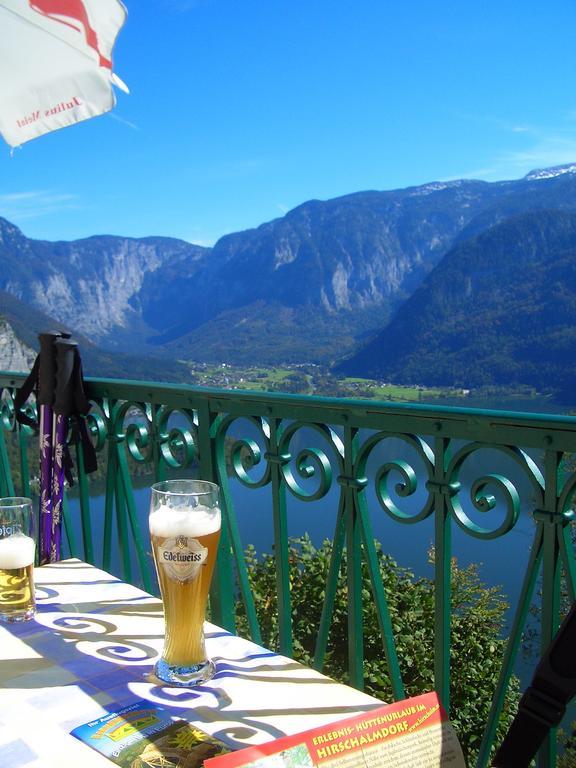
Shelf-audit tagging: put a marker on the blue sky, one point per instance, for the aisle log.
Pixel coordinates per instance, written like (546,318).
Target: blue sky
(242,109)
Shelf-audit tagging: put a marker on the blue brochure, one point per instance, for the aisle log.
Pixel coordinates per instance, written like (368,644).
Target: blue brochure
(143,734)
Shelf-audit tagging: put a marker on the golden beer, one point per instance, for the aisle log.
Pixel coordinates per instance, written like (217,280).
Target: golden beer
(184,532)
(17,577)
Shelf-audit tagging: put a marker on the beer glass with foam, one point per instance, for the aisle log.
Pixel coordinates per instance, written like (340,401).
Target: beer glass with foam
(184,531)
(17,553)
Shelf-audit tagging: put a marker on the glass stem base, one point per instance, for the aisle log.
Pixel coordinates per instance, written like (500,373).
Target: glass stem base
(14,617)
(184,676)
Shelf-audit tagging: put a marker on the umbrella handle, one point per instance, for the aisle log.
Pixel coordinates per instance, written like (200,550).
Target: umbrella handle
(66,355)
(47,366)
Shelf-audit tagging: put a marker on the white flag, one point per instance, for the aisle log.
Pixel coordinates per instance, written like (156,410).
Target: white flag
(55,63)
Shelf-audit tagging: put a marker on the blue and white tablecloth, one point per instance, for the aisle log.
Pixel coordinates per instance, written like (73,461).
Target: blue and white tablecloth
(91,649)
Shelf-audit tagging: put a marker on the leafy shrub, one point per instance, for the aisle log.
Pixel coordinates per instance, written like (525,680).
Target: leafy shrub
(477,645)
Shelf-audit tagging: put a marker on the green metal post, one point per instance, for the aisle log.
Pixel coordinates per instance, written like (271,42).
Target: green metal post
(122,528)
(553,521)
(514,640)
(442,571)
(384,620)
(157,463)
(281,548)
(6,484)
(211,455)
(109,505)
(331,587)
(353,563)
(68,527)
(84,497)
(24,466)
(144,564)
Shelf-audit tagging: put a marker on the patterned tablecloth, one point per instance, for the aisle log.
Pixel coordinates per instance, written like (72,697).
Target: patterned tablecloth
(91,648)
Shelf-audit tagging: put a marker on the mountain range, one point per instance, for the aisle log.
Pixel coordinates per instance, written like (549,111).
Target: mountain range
(439,283)
(499,309)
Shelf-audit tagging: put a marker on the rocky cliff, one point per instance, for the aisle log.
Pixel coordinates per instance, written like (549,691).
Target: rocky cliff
(14,354)
(91,285)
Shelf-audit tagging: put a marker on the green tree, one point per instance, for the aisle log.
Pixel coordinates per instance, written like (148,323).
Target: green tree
(477,645)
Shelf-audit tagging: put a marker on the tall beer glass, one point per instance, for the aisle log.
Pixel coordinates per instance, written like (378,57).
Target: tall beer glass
(184,531)
(17,551)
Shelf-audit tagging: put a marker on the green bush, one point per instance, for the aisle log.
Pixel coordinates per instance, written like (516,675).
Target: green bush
(477,646)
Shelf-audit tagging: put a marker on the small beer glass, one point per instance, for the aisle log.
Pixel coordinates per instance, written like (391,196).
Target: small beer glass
(184,532)
(17,553)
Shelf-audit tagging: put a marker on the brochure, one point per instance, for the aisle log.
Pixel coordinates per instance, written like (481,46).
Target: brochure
(143,735)
(414,733)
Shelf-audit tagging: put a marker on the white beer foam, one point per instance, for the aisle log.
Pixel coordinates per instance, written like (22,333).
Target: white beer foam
(16,551)
(167,522)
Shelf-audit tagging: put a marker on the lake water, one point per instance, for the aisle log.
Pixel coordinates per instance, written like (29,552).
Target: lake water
(501,561)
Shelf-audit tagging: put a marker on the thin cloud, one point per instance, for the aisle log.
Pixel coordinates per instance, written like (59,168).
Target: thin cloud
(202,242)
(123,121)
(543,154)
(33,204)
(204,238)
(541,148)
(493,121)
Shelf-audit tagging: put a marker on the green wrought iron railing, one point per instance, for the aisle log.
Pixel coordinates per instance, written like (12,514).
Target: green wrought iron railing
(476,471)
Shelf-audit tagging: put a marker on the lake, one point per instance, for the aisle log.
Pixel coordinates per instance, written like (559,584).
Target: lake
(501,561)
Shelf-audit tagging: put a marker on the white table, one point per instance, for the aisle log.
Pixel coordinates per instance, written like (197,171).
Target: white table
(91,648)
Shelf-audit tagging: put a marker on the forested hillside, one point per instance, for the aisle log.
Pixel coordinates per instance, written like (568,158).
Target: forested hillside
(498,309)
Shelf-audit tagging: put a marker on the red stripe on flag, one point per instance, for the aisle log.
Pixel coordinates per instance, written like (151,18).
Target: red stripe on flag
(71,9)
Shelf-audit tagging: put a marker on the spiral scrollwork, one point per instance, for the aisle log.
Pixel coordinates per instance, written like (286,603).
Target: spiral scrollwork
(7,411)
(486,502)
(96,425)
(131,424)
(177,432)
(241,455)
(137,441)
(310,463)
(244,455)
(402,472)
(492,492)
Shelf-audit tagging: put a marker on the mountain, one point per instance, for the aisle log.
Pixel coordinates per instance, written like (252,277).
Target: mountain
(499,309)
(327,271)
(312,286)
(95,285)
(306,286)
(19,327)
